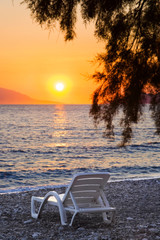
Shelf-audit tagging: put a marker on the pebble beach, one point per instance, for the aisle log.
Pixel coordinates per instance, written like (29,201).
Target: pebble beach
(137,205)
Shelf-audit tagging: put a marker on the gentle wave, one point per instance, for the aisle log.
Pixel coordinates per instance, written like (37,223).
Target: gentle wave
(151,146)
(47,144)
(61,175)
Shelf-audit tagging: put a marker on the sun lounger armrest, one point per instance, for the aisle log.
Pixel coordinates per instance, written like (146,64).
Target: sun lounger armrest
(54,194)
(46,197)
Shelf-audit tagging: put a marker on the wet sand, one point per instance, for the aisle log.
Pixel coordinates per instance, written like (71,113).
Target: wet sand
(137,205)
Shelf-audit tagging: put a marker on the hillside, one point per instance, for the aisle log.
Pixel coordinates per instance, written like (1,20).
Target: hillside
(12,97)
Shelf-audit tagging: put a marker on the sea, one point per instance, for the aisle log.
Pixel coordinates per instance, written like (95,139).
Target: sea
(45,145)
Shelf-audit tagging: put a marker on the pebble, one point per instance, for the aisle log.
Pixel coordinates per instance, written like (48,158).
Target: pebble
(142,229)
(36,234)
(61,228)
(130,218)
(81,229)
(153,230)
(134,200)
(152,225)
(28,221)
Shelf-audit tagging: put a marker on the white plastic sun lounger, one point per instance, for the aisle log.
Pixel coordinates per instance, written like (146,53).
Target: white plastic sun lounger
(84,195)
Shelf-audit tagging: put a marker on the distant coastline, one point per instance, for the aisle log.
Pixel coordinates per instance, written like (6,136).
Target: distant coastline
(8,96)
(11,97)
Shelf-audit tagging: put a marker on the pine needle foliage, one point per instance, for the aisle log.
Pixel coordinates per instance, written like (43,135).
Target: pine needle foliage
(130,66)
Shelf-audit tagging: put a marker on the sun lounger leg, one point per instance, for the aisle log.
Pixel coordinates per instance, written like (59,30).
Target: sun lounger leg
(105,218)
(108,217)
(62,211)
(33,211)
(72,219)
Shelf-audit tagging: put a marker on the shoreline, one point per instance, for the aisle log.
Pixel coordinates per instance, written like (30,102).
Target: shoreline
(45,187)
(137,215)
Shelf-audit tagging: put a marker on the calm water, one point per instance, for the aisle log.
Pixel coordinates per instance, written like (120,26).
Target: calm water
(46,144)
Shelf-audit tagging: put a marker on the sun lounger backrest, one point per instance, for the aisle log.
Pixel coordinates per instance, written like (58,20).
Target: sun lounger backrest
(85,188)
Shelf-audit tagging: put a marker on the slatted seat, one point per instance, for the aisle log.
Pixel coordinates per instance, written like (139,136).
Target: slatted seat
(84,195)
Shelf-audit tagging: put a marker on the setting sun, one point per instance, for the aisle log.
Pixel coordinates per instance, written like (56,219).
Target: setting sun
(59,86)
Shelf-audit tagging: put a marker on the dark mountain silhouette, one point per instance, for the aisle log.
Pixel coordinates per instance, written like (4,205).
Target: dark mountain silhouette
(12,97)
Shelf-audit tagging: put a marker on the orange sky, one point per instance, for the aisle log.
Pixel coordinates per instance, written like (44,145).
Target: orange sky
(32,60)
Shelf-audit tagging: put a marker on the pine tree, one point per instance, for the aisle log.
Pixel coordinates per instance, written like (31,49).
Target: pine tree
(131,62)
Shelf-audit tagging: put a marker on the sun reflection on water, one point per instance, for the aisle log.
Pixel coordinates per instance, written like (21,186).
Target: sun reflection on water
(49,143)
(59,122)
